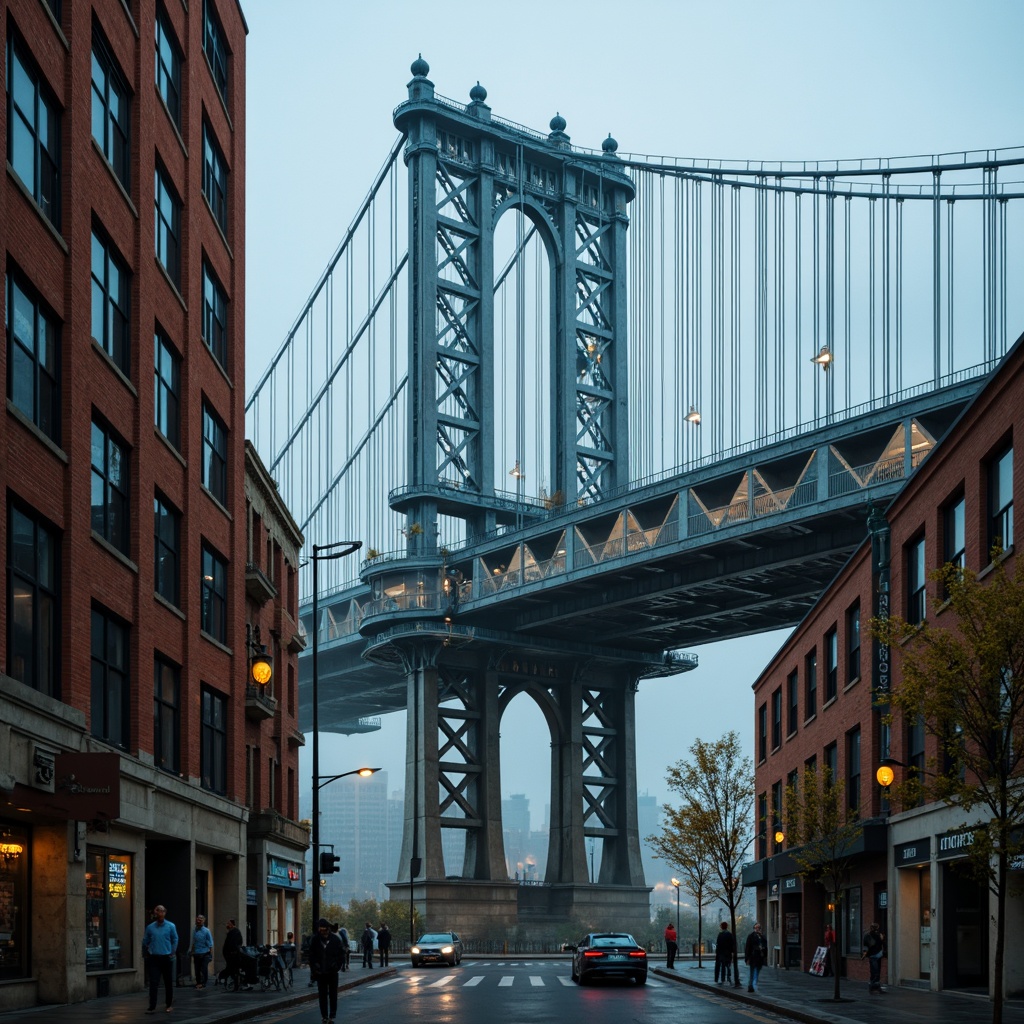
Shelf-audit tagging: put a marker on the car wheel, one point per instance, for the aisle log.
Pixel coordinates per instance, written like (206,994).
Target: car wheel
(641,979)
(572,973)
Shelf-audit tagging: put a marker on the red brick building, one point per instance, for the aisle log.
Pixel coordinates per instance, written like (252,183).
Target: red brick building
(813,706)
(123,724)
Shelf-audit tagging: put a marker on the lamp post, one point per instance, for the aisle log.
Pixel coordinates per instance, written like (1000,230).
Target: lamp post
(327,553)
(677,883)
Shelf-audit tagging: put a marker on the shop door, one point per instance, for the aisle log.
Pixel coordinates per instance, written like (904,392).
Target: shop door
(964,930)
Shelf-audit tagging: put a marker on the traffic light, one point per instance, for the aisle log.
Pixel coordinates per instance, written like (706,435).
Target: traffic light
(329,862)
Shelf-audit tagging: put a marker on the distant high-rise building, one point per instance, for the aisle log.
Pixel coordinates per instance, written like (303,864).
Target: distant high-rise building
(648,814)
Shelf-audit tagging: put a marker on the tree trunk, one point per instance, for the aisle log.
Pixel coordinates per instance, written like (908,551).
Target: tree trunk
(997,978)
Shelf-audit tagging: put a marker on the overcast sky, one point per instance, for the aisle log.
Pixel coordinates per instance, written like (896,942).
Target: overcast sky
(746,80)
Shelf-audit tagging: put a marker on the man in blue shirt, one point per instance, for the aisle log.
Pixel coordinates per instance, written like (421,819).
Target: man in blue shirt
(159,945)
(202,950)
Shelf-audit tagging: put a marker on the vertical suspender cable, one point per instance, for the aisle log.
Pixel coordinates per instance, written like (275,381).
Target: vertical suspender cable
(950,262)
(936,278)
(847,270)
(798,303)
(886,287)
(816,282)
(899,296)
(1003,339)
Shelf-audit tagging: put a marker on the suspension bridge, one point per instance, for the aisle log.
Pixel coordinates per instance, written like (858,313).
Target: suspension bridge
(587,410)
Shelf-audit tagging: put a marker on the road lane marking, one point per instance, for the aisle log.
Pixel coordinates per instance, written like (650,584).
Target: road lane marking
(566,981)
(475,980)
(505,981)
(386,982)
(442,981)
(536,979)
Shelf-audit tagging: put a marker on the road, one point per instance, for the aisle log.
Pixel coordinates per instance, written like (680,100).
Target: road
(522,992)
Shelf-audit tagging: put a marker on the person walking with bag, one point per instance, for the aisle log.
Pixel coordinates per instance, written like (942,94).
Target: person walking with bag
(325,955)
(671,946)
(755,955)
(159,947)
(202,951)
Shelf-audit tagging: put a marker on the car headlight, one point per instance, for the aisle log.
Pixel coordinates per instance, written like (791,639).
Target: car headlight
(448,949)
(415,949)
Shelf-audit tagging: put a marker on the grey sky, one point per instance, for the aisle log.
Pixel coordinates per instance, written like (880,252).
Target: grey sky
(729,80)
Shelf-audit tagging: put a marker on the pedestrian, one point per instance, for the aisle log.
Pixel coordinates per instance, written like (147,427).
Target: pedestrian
(725,949)
(830,941)
(366,941)
(671,946)
(159,947)
(346,943)
(288,953)
(383,943)
(325,955)
(202,950)
(755,955)
(233,943)
(874,950)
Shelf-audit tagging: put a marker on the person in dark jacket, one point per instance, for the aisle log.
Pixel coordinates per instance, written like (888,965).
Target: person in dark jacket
(755,955)
(366,941)
(325,958)
(233,942)
(725,949)
(383,943)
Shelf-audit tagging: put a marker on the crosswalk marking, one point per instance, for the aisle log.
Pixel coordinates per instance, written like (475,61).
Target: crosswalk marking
(505,981)
(386,982)
(442,981)
(475,980)
(535,979)
(564,980)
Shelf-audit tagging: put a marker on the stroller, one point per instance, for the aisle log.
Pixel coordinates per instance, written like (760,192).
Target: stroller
(245,974)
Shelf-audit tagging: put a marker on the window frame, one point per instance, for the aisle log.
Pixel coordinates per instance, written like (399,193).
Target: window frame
(215,177)
(44,118)
(167,393)
(167,224)
(213,746)
(810,685)
(213,594)
(777,718)
(1000,503)
(853,642)
(115,326)
(114,127)
(762,732)
(166,715)
(215,316)
(215,49)
(915,564)
(166,544)
(954,533)
(793,694)
(115,509)
(110,679)
(831,664)
(215,454)
(45,379)
(168,79)
(41,581)
(854,755)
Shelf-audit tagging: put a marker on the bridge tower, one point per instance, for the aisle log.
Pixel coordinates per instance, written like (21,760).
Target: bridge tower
(466,170)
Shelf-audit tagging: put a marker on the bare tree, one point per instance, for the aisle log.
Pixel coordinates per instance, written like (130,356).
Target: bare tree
(962,675)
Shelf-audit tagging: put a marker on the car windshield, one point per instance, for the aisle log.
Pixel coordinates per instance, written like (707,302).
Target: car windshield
(435,937)
(613,940)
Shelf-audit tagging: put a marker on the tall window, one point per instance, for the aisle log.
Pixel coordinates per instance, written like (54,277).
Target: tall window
(110,285)
(793,694)
(831,764)
(167,550)
(776,823)
(915,752)
(167,213)
(916,592)
(110,124)
(33,359)
(213,595)
(1000,501)
(33,590)
(110,494)
(111,702)
(33,132)
(831,664)
(167,388)
(168,66)
(953,543)
(214,751)
(215,455)
(811,685)
(762,732)
(109,896)
(215,48)
(853,770)
(853,642)
(166,715)
(777,719)
(215,317)
(762,826)
(215,178)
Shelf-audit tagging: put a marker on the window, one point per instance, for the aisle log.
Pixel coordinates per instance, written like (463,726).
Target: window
(215,178)
(167,550)
(214,753)
(831,763)
(167,388)
(166,715)
(762,732)
(853,771)
(1000,501)
(33,140)
(33,603)
(110,303)
(214,595)
(215,455)
(17,962)
(215,48)
(762,826)
(33,358)
(776,813)
(168,67)
(110,693)
(831,664)
(167,225)
(915,581)
(109,107)
(953,543)
(777,719)
(853,642)
(811,685)
(215,317)
(108,910)
(110,502)
(793,691)
(915,753)
(853,927)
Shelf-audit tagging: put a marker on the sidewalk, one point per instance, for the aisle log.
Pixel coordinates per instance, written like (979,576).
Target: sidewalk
(805,997)
(213,1005)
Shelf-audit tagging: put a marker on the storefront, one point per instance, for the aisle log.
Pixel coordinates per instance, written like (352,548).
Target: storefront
(285,885)
(913,884)
(15,857)
(965,914)
(109,894)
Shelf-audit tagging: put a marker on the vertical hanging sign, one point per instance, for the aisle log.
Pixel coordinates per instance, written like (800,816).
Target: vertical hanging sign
(881,678)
